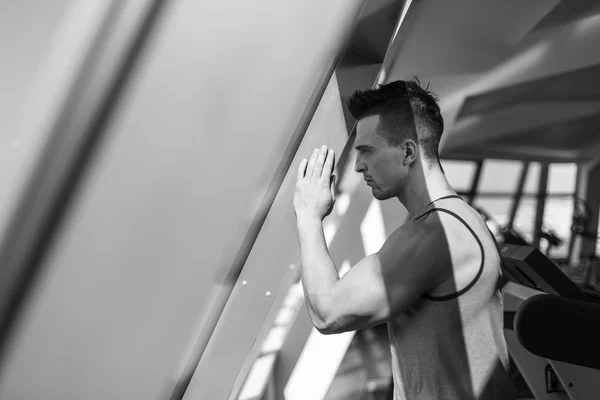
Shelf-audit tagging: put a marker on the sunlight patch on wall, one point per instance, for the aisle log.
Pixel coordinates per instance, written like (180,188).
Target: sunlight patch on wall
(317,366)
(258,377)
(372,229)
(342,202)
(405,9)
(262,370)
(345,267)
(330,229)
(587,25)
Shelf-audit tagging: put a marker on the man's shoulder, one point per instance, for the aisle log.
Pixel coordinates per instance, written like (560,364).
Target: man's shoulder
(417,232)
(428,224)
(417,243)
(435,227)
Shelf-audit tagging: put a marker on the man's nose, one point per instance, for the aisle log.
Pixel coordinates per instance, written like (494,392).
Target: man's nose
(359,165)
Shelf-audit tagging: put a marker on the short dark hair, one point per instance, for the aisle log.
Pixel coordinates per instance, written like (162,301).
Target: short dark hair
(407,109)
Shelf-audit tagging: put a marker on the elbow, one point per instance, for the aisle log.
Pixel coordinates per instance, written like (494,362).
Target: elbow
(329,327)
(326,330)
(324,318)
(322,325)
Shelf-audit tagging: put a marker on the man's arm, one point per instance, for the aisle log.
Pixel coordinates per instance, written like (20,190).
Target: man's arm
(313,201)
(319,274)
(379,286)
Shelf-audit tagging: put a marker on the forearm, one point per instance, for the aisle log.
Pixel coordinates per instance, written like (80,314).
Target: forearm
(319,273)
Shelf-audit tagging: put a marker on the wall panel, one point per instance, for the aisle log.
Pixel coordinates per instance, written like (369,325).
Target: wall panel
(275,249)
(149,242)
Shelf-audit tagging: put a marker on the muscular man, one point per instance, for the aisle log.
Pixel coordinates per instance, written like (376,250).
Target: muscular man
(435,281)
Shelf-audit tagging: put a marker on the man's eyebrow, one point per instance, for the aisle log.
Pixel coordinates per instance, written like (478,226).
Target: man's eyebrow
(362,146)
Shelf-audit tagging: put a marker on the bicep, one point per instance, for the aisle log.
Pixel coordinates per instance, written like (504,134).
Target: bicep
(387,283)
(411,266)
(359,298)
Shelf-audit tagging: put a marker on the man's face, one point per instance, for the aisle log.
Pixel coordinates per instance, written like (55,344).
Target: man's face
(381,164)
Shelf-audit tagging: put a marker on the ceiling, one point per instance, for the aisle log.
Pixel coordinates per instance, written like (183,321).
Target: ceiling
(516,80)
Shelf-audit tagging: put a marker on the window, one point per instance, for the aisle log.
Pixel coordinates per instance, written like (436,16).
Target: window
(496,211)
(496,193)
(459,173)
(558,215)
(532,181)
(497,208)
(525,218)
(500,176)
(562,178)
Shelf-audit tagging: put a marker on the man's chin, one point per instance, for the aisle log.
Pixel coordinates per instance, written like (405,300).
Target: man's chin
(379,195)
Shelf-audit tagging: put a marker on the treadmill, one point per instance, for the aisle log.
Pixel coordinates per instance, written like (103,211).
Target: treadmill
(552,328)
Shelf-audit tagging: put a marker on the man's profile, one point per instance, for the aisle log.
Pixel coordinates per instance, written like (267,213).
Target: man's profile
(435,281)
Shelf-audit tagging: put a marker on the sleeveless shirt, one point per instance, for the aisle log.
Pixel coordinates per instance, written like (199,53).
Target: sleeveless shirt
(450,344)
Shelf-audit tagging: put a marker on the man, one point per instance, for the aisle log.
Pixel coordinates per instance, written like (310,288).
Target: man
(436,279)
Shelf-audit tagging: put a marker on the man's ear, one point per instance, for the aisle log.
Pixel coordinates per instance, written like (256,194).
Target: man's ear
(410,150)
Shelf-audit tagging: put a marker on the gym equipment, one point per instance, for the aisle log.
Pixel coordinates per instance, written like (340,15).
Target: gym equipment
(551,327)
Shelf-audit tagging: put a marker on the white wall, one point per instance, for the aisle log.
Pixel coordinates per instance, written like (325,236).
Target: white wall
(168,200)
(27,31)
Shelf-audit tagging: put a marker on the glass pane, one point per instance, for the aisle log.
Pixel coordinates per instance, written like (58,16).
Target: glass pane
(495,212)
(459,173)
(558,215)
(498,208)
(500,176)
(533,178)
(525,218)
(562,178)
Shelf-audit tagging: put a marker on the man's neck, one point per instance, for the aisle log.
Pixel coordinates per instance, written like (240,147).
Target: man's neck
(425,187)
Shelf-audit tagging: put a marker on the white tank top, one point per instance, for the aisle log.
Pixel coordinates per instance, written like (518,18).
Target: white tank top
(451,345)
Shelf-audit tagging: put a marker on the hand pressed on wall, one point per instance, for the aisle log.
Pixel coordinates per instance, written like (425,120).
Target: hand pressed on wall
(315,196)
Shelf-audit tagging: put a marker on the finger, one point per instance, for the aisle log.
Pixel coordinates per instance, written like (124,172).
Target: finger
(302,168)
(311,163)
(329,163)
(320,161)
